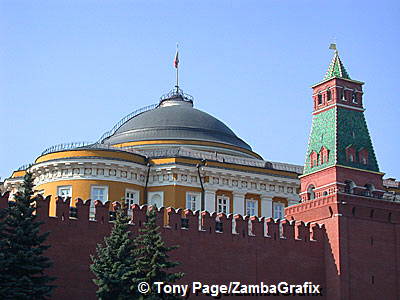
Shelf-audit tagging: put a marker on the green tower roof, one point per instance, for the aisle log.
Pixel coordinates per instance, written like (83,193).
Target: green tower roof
(336,68)
(336,129)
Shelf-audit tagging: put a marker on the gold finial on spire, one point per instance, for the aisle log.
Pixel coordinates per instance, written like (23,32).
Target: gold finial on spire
(332,46)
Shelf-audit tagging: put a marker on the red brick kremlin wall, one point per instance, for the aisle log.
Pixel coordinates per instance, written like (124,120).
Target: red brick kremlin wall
(291,252)
(362,248)
(354,255)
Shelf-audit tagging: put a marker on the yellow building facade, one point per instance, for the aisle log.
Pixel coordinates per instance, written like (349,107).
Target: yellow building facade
(170,155)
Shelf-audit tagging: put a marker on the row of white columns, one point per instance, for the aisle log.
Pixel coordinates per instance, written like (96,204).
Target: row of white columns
(238,203)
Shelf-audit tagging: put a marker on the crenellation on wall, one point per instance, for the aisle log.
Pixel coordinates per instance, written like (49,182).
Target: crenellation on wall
(256,226)
(302,231)
(288,231)
(317,231)
(272,228)
(102,213)
(192,220)
(42,206)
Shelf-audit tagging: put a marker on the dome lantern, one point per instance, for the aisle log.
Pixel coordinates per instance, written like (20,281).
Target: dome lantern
(176,97)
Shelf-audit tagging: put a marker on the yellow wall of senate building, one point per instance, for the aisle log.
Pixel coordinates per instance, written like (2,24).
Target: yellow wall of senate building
(171,155)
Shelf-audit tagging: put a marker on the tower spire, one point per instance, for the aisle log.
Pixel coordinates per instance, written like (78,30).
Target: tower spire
(336,67)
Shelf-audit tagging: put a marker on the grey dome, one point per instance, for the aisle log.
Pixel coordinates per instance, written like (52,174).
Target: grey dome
(175,122)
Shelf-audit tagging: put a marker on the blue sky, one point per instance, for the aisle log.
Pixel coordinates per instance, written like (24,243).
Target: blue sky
(69,70)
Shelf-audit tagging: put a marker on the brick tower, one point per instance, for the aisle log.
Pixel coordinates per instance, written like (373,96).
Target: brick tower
(342,188)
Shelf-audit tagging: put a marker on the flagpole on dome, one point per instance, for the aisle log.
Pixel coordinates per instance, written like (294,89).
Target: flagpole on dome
(176,65)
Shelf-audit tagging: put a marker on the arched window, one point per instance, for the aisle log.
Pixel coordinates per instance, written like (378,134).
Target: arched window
(368,190)
(329,95)
(311,193)
(156,200)
(353,211)
(350,153)
(323,155)
(342,95)
(354,96)
(330,211)
(363,156)
(313,159)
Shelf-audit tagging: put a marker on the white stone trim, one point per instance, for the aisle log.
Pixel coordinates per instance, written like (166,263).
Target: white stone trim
(340,105)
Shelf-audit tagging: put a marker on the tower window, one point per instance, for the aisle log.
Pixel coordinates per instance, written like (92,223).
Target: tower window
(342,95)
(319,99)
(329,95)
(363,156)
(349,187)
(311,192)
(368,190)
(314,159)
(354,97)
(350,153)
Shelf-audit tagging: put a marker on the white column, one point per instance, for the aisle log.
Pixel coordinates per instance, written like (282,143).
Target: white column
(266,206)
(238,203)
(209,200)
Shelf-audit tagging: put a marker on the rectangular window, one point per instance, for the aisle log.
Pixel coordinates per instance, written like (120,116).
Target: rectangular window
(193,201)
(251,207)
(223,204)
(64,191)
(131,197)
(97,193)
(319,99)
(278,210)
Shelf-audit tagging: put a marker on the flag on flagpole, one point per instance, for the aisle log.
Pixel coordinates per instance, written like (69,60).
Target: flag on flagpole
(176,60)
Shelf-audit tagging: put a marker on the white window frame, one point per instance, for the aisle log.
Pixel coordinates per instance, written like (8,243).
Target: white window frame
(221,206)
(62,188)
(129,201)
(278,207)
(193,201)
(254,208)
(92,209)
